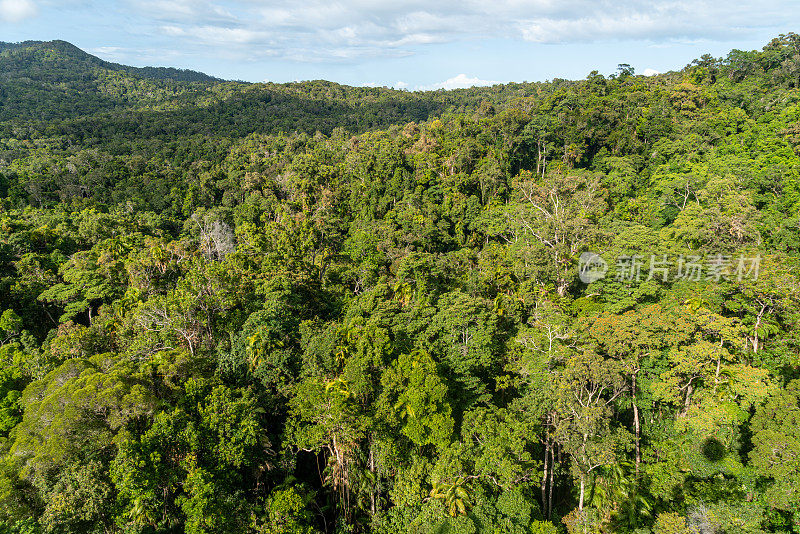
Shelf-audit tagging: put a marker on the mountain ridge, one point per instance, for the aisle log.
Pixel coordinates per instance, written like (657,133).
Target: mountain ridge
(56,88)
(151,72)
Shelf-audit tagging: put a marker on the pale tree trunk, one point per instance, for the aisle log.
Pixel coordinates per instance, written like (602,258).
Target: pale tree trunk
(754,339)
(688,401)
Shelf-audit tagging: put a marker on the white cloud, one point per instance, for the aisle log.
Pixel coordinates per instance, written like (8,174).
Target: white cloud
(137,56)
(109,53)
(347,30)
(639,25)
(104,50)
(460,81)
(650,72)
(184,11)
(17,10)
(400,85)
(218,35)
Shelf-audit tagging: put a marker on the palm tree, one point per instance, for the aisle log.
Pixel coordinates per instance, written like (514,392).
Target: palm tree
(453,494)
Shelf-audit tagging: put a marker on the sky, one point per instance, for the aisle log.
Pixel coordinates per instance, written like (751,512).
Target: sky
(406,44)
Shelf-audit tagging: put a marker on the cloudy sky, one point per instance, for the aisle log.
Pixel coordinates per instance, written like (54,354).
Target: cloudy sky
(414,44)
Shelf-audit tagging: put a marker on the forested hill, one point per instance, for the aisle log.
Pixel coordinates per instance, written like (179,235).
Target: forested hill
(57,89)
(52,80)
(55,81)
(561,307)
(28,57)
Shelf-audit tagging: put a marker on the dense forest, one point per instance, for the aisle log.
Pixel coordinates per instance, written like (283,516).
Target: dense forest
(559,307)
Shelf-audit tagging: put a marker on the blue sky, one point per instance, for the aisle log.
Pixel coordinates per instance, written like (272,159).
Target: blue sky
(414,44)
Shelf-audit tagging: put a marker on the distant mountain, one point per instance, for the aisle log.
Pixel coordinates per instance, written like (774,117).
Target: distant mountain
(56,89)
(65,50)
(55,80)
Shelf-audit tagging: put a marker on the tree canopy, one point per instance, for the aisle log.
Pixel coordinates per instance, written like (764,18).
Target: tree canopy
(307,307)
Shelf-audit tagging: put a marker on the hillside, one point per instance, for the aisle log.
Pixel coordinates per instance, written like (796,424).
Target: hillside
(556,307)
(58,89)
(22,58)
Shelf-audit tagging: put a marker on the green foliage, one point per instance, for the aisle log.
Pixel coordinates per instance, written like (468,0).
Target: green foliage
(287,514)
(418,399)
(306,307)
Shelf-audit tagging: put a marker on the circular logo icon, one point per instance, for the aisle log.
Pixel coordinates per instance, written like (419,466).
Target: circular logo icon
(591,267)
